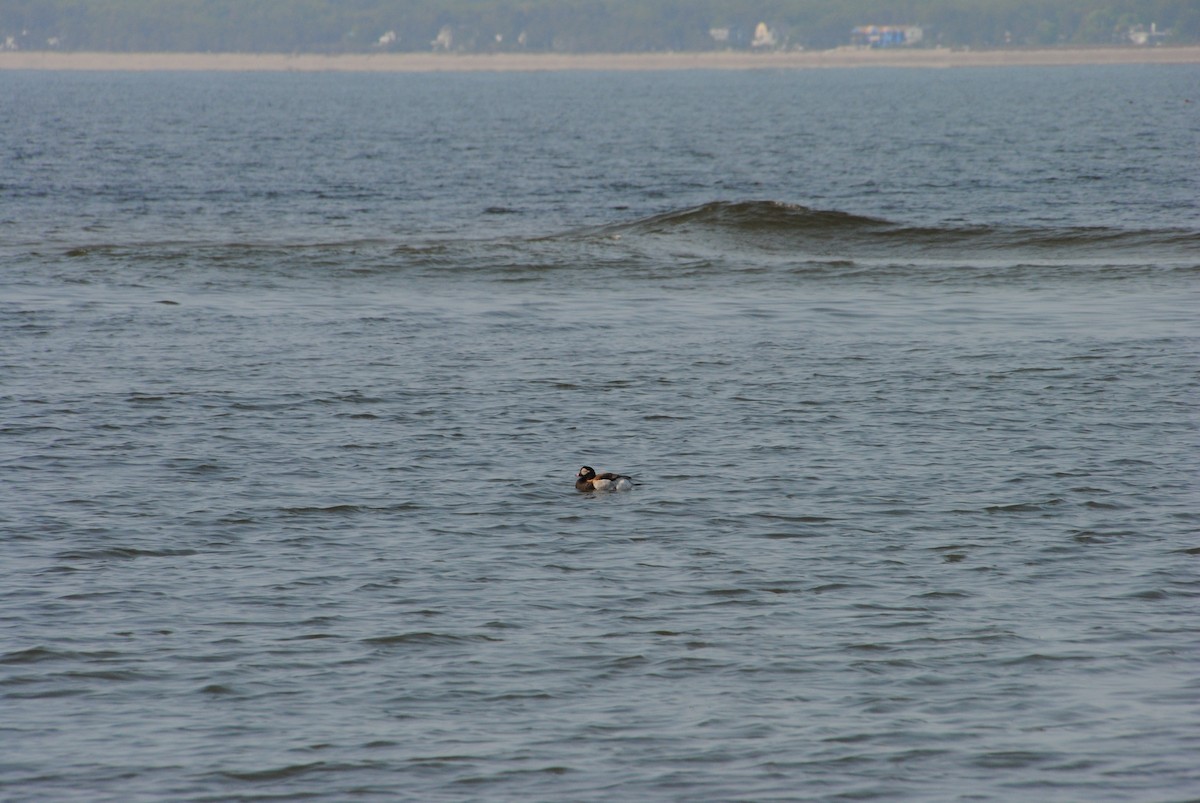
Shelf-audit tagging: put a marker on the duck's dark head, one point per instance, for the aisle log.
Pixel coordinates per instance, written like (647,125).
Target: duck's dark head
(586,473)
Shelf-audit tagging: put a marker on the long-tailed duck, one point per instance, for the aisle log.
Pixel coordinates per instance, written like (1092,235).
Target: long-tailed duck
(588,480)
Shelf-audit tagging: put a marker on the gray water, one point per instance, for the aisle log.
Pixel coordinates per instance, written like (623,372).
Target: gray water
(296,372)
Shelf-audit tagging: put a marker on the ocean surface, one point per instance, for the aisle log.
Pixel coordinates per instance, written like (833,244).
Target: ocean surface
(296,371)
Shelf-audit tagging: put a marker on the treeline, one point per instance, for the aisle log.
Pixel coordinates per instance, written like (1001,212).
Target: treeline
(341,26)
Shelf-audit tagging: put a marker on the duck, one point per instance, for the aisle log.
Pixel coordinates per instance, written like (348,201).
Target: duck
(588,480)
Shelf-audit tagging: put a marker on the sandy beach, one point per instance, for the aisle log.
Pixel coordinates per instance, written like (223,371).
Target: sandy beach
(544,62)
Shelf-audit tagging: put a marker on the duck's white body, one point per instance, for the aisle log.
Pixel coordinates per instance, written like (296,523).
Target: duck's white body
(619,484)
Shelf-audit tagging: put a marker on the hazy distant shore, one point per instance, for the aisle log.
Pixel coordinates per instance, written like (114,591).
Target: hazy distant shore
(536,62)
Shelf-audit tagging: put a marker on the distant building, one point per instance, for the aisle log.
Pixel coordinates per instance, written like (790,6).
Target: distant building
(445,38)
(719,34)
(1140,36)
(763,36)
(886,35)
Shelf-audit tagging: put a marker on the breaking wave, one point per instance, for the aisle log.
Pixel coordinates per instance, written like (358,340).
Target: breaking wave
(774,224)
(716,238)
(764,216)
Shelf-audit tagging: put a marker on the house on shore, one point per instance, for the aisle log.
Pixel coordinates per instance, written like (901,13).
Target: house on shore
(886,35)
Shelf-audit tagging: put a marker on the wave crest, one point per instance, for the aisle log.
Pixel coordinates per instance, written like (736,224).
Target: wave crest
(775,225)
(752,216)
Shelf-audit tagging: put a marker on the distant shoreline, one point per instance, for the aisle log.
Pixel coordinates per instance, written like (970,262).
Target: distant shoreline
(550,62)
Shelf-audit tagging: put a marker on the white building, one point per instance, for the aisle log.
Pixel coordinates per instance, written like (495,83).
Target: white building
(1140,36)
(445,38)
(763,36)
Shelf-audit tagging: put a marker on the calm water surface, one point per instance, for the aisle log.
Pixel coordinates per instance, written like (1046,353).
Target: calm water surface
(296,372)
